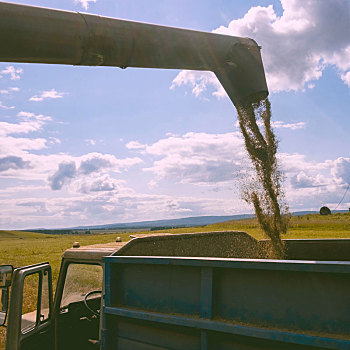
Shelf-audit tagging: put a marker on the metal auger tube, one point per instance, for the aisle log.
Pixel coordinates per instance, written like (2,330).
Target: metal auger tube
(39,35)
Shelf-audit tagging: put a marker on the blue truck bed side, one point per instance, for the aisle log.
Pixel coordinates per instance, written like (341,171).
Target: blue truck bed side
(210,303)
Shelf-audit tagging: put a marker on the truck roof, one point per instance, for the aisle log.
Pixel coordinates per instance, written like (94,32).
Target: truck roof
(93,252)
(97,251)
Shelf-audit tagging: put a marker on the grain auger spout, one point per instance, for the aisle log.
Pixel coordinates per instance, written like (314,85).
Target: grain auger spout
(39,35)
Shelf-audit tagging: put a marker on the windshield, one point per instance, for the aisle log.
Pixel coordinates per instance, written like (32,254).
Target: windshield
(81,279)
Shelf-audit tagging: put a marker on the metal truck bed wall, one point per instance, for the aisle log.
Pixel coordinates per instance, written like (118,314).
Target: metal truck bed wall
(208,303)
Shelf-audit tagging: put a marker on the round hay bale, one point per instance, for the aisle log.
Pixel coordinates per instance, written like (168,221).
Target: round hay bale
(325,211)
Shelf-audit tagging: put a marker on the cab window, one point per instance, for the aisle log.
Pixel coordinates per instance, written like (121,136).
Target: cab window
(81,279)
(36,300)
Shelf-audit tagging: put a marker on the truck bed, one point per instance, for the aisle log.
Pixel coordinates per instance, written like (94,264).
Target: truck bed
(209,303)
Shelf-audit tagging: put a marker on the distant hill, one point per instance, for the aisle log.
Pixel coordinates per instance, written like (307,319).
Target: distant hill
(5,234)
(168,223)
(182,222)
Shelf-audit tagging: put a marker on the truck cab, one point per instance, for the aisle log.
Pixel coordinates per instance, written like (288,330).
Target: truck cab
(71,319)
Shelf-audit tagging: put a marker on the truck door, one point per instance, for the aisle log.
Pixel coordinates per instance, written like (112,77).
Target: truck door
(30,324)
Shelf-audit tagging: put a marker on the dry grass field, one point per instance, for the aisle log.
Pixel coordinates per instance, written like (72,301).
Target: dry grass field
(24,248)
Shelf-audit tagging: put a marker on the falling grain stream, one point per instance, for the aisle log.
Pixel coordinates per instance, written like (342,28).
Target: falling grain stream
(265,191)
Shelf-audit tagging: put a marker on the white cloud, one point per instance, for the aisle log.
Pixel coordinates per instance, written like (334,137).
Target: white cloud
(302,180)
(219,162)
(310,185)
(197,158)
(80,168)
(6,107)
(341,170)
(20,145)
(91,193)
(84,3)
(20,128)
(135,145)
(103,184)
(9,90)
(39,207)
(31,116)
(31,123)
(12,162)
(49,94)
(96,163)
(91,142)
(346,78)
(296,46)
(12,145)
(64,172)
(292,126)
(14,73)
(278,124)
(293,163)
(199,81)
(44,166)
(54,140)
(123,205)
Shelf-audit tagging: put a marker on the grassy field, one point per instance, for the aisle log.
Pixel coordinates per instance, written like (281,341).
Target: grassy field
(24,248)
(307,226)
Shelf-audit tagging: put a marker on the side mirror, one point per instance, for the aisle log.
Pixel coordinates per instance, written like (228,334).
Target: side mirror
(5,282)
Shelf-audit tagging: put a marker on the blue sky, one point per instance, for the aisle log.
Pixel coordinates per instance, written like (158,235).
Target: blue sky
(95,145)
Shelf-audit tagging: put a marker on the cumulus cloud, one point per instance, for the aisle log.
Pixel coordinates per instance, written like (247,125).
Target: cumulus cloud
(20,145)
(49,94)
(123,205)
(99,196)
(346,78)
(84,3)
(103,184)
(199,81)
(310,184)
(100,186)
(135,145)
(296,46)
(30,123)
(11,144)
(302,180)
(13,162)
(12,72)
(295,162)
(93,163)
(197,158)
(65,172)
(219,160)
(342,170)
